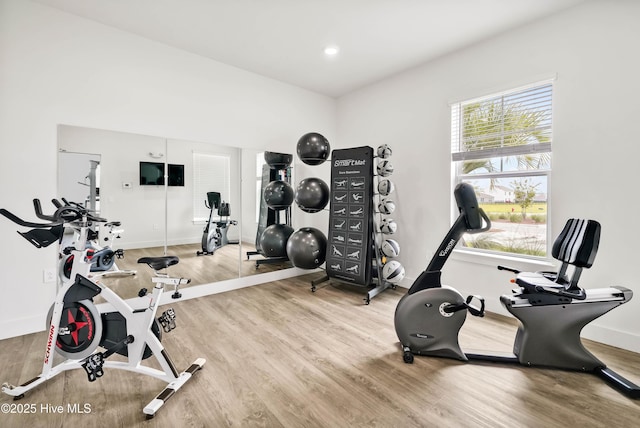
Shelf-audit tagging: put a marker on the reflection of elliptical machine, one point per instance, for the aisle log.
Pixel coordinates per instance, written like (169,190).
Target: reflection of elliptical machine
(551,308)
(214,235)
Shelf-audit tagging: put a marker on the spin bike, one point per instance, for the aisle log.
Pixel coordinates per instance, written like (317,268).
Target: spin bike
(77,328)
(214,234)
(551,308)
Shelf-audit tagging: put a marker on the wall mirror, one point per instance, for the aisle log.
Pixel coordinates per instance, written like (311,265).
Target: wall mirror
(122,177)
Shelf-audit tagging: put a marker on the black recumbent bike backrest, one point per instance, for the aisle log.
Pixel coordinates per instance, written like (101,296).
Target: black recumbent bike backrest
(577,245)
(213,200)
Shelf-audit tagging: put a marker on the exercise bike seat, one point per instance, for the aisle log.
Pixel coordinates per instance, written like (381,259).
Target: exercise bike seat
(577,246)
(158,263)
(538,282)
(530,280)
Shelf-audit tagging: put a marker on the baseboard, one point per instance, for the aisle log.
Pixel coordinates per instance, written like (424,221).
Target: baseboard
(235,284)
(619,339)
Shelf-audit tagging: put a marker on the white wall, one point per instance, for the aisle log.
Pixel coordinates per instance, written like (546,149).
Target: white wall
(592,49)
(60,69)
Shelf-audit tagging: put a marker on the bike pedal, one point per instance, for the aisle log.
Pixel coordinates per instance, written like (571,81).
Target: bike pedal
(168,320)
(474,310)
(93,366)
(119,254)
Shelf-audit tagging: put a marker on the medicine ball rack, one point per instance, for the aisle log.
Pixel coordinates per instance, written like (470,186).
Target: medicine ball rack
(353,253)
(268,216)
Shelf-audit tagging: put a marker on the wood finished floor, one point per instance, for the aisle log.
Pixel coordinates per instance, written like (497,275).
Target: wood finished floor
(281,356)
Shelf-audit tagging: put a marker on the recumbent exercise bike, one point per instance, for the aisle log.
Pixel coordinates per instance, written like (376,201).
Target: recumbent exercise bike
(214,235)
(552,309)
(77,327)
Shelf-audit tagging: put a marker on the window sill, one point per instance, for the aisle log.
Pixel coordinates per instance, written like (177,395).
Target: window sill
(521,263)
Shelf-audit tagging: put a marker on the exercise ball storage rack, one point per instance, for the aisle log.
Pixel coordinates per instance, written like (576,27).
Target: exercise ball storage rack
(353,250)
(276,168)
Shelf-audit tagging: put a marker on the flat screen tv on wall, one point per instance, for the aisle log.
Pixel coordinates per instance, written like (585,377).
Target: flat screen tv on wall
(152,174)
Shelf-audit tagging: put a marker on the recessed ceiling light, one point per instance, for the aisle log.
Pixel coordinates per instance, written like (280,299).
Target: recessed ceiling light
(331,50)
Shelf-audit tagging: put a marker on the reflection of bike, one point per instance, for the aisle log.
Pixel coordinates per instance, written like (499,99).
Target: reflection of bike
(214,235)
(103,257)
(77,328)
(552,309)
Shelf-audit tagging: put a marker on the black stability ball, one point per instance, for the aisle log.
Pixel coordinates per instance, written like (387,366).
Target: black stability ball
(307,248)
(313,148)
(312,195)
(278,195)
(273,241)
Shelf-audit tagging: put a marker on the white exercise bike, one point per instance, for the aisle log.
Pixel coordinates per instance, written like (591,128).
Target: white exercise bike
(86,334)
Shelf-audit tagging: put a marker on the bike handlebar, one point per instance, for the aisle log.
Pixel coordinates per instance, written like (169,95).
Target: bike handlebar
(65,213)
(508,269)
(14,218)
(38,209)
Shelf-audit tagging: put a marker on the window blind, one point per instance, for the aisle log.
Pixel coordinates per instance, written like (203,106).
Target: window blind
(513,123)
(210,174)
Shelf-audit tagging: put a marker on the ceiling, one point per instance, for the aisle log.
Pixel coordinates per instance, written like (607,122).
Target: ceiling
(285,39)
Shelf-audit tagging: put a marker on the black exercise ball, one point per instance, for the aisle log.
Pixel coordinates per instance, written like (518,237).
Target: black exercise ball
(278,160)
(307,248)
(312,195)
(273,241)
(313,148)
(278,195)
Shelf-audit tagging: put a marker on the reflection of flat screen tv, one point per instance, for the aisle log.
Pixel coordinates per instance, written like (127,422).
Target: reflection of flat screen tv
(152,174)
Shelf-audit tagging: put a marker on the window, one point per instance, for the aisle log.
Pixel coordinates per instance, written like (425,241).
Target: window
(501,145)
(210,174)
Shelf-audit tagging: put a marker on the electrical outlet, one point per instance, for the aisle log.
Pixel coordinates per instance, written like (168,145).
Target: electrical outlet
(49,275)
